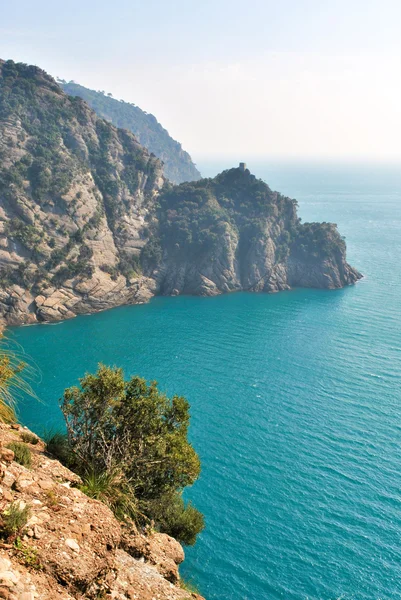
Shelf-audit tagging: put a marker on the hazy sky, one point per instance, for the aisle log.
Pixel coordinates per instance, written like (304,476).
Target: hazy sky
(277,78)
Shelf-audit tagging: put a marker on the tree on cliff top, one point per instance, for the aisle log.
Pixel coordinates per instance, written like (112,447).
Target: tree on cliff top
(131,428)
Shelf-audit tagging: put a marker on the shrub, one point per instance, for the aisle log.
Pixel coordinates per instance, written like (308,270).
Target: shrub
(130,425)
(29,438)
(14,519)
(174,517)
(22,453)
(130,445)
(52,498)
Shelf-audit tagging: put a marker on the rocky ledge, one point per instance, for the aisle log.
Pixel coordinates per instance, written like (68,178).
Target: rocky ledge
(72,547)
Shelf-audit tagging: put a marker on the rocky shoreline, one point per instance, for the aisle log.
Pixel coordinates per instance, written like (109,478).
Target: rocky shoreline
(20,307)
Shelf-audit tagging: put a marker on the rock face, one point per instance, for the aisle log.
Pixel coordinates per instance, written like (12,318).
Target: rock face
(177,163)
(72,546)
(88,222)
(74,196)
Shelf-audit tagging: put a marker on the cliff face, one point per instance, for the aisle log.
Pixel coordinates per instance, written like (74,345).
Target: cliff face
(88,222)
(74,195)
(72,547)
(177,163)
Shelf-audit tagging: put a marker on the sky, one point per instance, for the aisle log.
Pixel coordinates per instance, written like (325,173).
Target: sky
(283,79)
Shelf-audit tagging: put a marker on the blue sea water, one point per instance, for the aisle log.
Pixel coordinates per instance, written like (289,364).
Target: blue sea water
(296,404)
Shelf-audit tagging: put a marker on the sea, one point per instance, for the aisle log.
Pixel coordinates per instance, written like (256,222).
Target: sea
(295,402)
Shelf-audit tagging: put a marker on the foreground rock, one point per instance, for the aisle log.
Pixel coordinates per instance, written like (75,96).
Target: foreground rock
(72,547)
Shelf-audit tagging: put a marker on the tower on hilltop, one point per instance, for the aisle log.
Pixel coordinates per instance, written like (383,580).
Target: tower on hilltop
(242,167)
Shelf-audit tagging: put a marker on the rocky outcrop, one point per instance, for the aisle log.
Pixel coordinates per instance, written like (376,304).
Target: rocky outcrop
(88,222)
(233,233)
(72,547)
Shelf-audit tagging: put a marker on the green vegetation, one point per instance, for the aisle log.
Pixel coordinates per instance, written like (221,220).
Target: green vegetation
(13,519)
(178,166)
(22,453)
(113,489)
(57,445)
(318,240)
(194,216)
(189,587)
(46,167)
(129,442)
(28,235)
(27,555)
(52,498)
(182,521)
(29,438)
(12,383)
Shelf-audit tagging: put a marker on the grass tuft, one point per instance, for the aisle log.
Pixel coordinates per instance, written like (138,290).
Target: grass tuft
(188,586)
(112,490)
(12,383)
(57,445)
(29,438)
(22,453)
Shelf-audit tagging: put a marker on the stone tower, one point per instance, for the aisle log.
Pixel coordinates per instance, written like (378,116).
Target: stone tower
(242,167)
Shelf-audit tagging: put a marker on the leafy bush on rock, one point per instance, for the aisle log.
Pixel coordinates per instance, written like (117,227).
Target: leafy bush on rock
(129,443)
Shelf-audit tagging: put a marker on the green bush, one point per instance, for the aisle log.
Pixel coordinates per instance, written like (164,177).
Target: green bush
(172,516)
(22,453)
(29,438)
(27,555)
(14,519)
(130,425)
(130,445)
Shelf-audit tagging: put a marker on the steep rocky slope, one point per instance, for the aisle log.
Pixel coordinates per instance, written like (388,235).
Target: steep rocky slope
(71,546)
(177,163)
(88,222)
(74,194)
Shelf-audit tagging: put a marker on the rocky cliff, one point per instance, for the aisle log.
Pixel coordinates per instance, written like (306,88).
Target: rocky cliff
(177,164)
(68,546)
(74,195)
(88,222)
(233,233)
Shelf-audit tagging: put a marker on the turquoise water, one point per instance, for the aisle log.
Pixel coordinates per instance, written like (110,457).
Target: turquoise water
(296,404)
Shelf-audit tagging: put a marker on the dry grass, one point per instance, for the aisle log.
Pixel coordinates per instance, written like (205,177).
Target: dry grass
(12,383)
